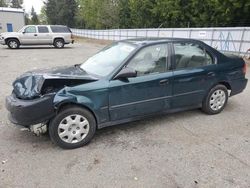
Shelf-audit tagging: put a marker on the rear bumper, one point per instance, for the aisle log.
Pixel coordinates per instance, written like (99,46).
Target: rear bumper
(30,112)
(238,86)
(70,41)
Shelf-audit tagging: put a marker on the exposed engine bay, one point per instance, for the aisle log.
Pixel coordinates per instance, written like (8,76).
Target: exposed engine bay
(37,83)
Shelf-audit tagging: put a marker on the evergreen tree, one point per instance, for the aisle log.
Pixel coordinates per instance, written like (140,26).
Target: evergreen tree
(61,12)
(124,14)
(42,17)
(16,3)
(27,19)
(96,14)
(34,17)
(3,3)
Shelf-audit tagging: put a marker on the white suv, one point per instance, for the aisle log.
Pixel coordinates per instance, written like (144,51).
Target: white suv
(56,35)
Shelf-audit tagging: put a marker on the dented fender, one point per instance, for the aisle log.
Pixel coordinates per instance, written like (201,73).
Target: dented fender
(95,101)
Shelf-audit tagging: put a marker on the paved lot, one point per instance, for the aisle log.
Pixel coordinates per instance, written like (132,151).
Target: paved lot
(186,149)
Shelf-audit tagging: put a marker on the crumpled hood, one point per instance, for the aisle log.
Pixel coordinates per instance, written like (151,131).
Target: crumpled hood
(33,84)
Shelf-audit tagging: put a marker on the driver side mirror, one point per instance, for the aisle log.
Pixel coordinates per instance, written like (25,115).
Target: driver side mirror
(126,72)
(23,32)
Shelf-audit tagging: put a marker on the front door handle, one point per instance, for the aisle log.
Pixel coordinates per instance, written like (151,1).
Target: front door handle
(35,35)
(211,74)
(164,82)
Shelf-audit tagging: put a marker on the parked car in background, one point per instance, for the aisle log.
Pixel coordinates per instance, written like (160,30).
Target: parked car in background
(126,81)
(56,35)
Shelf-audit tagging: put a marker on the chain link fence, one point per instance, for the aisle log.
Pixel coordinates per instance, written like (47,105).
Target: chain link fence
(234,40)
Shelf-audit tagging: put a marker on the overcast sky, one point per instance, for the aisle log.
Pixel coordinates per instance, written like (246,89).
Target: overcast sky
(37,4)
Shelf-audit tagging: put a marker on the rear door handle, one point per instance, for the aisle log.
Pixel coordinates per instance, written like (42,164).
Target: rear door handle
(164,82)
(35,35)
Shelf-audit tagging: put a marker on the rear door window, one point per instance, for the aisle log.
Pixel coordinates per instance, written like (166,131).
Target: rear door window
(43,29)
(60,29)
(188,55)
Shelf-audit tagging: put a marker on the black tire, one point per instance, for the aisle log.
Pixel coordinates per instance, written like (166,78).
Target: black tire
(71,111)
(207,107)
(13,43)
(59,43)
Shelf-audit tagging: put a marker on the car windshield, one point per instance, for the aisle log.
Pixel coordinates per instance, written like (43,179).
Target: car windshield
(108,59)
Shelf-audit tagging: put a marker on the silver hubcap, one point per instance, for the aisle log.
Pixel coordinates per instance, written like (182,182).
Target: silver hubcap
(13,44)
(217,100)
(73,128)
(59,44)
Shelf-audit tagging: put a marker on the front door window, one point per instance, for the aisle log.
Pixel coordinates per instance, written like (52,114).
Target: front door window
(30,29)
(150,60)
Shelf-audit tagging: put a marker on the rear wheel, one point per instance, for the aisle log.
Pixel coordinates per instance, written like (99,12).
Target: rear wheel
(72,128)
(13,43)
(59,43)
(215,100)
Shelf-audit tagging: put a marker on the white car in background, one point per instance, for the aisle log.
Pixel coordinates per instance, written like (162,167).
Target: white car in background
(57,35)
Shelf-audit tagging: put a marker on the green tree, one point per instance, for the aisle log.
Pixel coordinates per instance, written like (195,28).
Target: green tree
(27,19)
(103,14)
(34,18)
(16,3)
(61,12)
(124,14)
(42,17)
(141,12)
(3,3)
(98,14)
(233,13)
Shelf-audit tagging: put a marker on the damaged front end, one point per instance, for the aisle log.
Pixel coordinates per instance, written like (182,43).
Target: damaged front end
(32,99)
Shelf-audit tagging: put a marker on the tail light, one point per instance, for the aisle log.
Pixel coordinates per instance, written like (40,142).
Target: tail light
(244,68)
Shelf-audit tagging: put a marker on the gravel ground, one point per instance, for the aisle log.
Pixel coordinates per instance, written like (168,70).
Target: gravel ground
(186,149)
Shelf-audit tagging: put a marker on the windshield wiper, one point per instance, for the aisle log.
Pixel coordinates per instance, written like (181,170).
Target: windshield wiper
(79,67)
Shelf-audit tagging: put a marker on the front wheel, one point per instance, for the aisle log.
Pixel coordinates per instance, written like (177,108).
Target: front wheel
(72,128)
(13,43)
(215,100)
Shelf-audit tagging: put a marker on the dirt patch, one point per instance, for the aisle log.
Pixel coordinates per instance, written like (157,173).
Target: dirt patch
(88,40)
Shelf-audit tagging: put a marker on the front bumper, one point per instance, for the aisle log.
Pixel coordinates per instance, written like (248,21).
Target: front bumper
(2,41)
(30,112)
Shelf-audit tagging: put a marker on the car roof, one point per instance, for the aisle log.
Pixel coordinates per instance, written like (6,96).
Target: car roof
(154,40)
(48,25)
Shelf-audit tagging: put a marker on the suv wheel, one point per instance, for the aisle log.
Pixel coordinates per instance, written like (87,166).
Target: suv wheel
(59,43)
(13,43)
(215,100)
(72,128)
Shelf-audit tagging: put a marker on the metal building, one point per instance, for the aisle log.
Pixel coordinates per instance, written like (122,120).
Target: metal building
(11,19)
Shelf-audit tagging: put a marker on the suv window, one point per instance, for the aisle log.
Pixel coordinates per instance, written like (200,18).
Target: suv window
(30,29)
(43,29)
(60,29)
(150,60)
(191,55)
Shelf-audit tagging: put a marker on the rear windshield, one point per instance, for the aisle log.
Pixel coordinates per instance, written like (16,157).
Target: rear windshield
(60,29)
